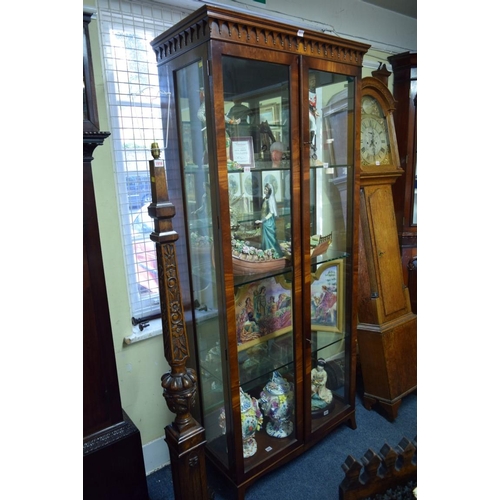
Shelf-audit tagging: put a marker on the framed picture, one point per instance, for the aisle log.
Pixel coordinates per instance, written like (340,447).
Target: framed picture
(263,311)
(275,180)
(327,297)
(270,112)
(242,151)
(252,184)
(234,184)
(187,144)
(190,188)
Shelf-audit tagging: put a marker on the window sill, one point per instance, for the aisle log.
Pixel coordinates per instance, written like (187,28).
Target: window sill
(153,330)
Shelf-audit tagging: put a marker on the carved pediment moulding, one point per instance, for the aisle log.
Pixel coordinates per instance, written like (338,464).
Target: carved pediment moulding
(205,24)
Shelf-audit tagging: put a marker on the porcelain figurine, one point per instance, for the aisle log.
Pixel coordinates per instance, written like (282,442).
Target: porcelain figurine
(269,213)
(277,403)
(321,395)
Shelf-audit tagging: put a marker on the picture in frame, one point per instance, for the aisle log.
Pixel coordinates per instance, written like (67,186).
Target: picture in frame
(270,111)
(190,188)
(234,184)
(263,310)
(274,179)
(252,184)
(327,297)
(242,151)
(187,145)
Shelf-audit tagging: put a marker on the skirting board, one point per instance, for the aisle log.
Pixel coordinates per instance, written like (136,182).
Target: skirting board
(156,455)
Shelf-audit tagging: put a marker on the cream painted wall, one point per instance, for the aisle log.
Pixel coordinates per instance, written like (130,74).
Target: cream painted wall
(141,365)
(382,29)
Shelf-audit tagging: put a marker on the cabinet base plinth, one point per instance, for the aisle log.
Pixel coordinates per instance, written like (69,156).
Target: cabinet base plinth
(187,457)
(389,409)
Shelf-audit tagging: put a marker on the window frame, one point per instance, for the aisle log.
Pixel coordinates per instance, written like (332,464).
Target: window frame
(133,103)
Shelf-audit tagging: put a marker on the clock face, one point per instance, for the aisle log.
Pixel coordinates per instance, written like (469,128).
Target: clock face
(375,146)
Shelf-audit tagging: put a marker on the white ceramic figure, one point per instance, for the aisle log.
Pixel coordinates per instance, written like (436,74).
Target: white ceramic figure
(321,395)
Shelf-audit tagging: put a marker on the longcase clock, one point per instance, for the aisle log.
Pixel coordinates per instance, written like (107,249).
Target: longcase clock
(387,328)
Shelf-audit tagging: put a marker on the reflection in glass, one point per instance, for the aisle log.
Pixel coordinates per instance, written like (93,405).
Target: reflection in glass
(256,102)
(331,108)
(414,102)
(196,182)
(414,218)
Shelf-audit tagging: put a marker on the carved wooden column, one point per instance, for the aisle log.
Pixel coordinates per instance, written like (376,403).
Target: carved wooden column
(185,437)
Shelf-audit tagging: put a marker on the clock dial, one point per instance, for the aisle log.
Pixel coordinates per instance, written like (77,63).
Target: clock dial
(375,148)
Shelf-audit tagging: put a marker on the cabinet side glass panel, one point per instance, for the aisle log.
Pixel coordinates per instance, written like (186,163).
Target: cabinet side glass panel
(256,102)
(413,93)
(331,105)
(200,234)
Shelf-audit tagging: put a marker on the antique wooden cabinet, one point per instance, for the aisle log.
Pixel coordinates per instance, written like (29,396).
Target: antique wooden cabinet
(404,67)
(261,125)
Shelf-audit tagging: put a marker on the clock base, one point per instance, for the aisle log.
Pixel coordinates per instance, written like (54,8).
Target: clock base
(388,357)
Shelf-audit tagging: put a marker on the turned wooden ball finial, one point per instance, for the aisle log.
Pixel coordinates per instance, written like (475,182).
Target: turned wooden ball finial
(155,150)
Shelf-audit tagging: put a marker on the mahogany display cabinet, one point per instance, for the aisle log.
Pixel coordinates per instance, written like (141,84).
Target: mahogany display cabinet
(261,121)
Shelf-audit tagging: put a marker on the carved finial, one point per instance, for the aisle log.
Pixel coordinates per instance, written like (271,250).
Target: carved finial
(352,469)
(389,458)
(155,150)
(382,73)
(371,462)
(407,451)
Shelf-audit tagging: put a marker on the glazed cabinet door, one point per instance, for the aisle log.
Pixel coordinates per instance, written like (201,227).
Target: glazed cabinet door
(243,252)
(328,165)
(202,232)
(260,256)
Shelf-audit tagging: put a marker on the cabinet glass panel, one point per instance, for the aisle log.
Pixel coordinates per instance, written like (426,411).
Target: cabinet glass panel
(256,105)
(331,111)
(196,186)
(413,93)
